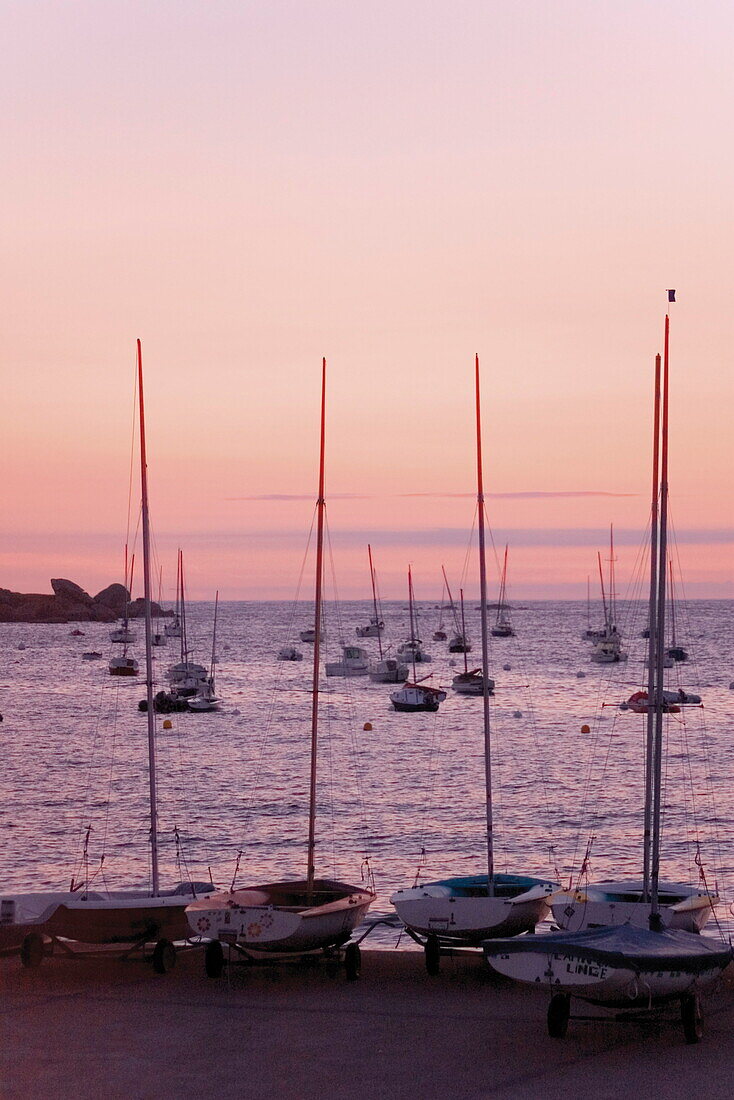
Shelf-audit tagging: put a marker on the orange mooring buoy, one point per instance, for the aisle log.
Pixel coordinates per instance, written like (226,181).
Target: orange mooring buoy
(586,729)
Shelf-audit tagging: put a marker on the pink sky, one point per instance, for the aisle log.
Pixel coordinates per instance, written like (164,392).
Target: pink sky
(250,186)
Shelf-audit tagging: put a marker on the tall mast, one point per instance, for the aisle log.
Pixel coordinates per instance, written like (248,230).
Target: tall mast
(412,620)
(463,629)
(612,616)
(652,641)
(320,508)
(603,595)
(451,599)
(214,638)
(485,641)
(374,600)
(588,601)
(148,633)
(503,588)
(660,644)
(672,604)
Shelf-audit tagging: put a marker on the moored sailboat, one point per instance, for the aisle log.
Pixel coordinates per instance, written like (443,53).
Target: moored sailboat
(416,695)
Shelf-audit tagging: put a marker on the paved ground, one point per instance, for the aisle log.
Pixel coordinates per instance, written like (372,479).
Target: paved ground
(109,1029)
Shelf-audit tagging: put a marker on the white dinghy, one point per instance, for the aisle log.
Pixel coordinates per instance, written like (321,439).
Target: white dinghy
(289,918)
(463,911)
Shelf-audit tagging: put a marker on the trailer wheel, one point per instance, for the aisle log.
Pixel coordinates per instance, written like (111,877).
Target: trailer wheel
(31,950)
(352,961)
(559,1011)
(214,959)
(164,957)
(432,952)
(691,1018)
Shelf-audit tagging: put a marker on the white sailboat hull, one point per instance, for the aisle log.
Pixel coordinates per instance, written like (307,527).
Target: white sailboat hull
(260,920)
(98,918)
(576,910)
(432,909)
(602,984)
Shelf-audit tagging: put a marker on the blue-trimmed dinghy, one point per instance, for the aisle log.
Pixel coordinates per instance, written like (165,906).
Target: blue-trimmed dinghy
(459,911)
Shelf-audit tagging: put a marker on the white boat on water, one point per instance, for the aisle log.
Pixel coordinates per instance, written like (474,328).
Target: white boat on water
(123,666)
(470,681)
(84,916)
(388,670)
(376,625)
(638,959)
(309,635)
(503,627)
(415,695)
(607,648)
(463,911)
(354,662)
(304,915)
(206,697)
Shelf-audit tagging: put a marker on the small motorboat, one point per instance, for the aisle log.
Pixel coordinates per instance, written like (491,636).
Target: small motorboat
(417,697)
(354,662)
(124,666)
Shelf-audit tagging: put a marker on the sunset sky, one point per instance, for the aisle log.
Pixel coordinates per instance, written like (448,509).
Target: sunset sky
(249,186)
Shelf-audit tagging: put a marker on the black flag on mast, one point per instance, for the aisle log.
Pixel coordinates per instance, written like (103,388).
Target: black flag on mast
(671,295)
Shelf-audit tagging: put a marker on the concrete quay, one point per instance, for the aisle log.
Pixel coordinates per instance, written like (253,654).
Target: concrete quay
(112,1029)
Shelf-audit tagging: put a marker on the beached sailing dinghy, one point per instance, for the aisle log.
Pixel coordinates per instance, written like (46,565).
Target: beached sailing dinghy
(627,965)
(463,911)
(297,917)
(81,917)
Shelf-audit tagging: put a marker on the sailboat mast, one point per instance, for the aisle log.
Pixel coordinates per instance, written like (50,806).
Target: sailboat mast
(485,641)
(612,615)
(603,594)
(320,507)
(463,628)
(451,599)
(374,600)
(412,620)
(652,641)
(148,633)
(588,601)
(214,637)
(672,605)
(660,643)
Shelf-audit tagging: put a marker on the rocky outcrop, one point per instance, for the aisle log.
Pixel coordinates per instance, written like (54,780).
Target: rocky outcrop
(114,596)
(71,604)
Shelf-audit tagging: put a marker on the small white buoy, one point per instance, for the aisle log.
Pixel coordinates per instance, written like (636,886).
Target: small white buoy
(517,714)
(507,668)
(580,675)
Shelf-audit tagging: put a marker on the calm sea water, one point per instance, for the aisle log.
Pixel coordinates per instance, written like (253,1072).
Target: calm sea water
(235,783)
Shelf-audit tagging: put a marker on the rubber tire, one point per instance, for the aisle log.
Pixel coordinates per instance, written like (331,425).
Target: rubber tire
(352,961)
(691,1018)
(164,957)
(432,954)
(32,950)
(559,1011)
(214,959)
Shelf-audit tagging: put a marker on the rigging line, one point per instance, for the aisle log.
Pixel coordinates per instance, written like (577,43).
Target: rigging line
(350,702)
(248,798)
